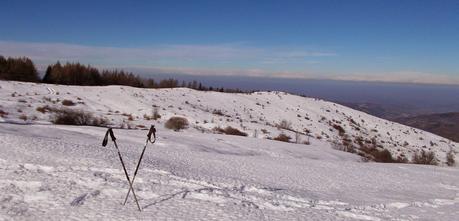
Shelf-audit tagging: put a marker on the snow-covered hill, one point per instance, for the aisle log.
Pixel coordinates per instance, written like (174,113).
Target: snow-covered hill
(259,114)
(60,172)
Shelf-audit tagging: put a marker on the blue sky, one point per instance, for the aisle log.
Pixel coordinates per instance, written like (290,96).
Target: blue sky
(401,41)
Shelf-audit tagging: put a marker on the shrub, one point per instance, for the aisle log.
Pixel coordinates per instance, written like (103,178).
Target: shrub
(340,129)
(230,131)
(176,123)
(77,117)
(371,152)
(44,109)
(68,103)
(450,161)
(23,117)
(130,117)
(217,112)
(343,146)
(381,156)
(3,113)
(424,157)
(282,137)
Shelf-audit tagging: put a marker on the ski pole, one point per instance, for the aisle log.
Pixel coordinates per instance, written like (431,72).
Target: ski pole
(150,132)
(104,143)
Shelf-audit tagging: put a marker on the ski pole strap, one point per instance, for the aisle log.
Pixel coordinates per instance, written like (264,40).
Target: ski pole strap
(150,132)
(112,136)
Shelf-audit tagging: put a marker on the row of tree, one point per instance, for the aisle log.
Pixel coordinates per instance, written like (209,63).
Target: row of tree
(18,69)
(23,69)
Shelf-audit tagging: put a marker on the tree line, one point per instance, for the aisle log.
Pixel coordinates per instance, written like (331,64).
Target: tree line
(23,69)
(18,69)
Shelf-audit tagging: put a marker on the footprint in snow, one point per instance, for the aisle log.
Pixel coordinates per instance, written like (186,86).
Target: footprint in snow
(78,201)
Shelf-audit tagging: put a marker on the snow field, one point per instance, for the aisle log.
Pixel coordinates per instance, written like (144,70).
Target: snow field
(53,172)
(257,114)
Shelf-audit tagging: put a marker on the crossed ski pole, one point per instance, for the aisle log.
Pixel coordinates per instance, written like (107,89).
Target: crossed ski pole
(104,143)
(152,131)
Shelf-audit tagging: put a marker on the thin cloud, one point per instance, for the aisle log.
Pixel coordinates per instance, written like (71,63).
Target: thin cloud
(45,53)
(211,60)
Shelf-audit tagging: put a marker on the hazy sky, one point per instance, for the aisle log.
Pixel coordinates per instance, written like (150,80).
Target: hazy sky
(406,41)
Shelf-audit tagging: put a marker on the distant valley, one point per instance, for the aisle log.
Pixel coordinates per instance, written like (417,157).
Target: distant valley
(445,124)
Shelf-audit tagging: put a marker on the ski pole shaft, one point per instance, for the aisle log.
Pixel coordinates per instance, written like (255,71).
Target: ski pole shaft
(104,143)
(150,132)
(127,177)
(135,173)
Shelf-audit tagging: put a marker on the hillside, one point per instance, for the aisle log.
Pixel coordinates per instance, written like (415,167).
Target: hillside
(444,124)
(259,114)
(60,172)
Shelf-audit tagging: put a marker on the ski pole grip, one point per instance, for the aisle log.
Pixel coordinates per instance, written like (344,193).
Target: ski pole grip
(105,141)
(152,131)
(110,131)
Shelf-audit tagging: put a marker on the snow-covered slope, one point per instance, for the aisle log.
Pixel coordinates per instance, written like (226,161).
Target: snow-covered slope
(57,172)
(258,114)
(50,172)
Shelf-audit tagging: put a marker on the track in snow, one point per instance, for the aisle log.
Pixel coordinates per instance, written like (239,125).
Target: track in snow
(61,172)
